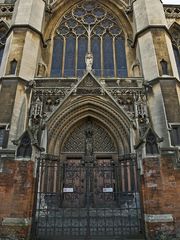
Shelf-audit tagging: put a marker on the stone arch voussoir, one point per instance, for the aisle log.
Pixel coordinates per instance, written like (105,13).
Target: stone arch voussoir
(70,114)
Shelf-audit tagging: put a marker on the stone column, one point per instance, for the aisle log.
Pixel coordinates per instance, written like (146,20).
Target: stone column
(152,37)
(24,38)
(153,42)
(23,45)
(17,177)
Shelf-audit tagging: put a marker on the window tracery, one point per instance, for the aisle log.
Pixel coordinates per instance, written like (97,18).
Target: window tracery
(89,28)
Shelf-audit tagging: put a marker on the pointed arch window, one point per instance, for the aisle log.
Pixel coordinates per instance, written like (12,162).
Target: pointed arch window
(24,149)
(177,58)
(89,27)
(175,33)
(13,66)
(151,143)
(3,31)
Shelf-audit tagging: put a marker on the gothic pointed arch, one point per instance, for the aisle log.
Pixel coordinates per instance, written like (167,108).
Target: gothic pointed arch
(89,28)
(54,4)
(3,31)
(175,33)
(60,7)
(65,39)
(24,149)
(104,114)
(102,141)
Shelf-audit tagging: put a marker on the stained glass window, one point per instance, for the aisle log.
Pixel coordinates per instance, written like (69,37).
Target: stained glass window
(89,27)
(96,50)
(56,69)
(82,50)
(108,56)
(69,67)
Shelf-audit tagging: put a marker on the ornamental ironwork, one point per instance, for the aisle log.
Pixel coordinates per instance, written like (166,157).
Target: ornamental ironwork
(77,200)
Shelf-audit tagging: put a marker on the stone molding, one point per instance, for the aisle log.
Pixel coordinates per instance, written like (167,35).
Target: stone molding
(156,218)
(148,29)
(16,222)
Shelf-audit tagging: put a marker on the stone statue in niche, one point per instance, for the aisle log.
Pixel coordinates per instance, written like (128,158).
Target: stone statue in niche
(37,121)
(164,66)
(89,61)
(89,139)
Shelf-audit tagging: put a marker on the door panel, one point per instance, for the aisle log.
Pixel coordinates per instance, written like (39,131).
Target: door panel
(73,188)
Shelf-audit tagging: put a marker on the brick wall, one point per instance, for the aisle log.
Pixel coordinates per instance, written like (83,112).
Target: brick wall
(16,198)
(161,198)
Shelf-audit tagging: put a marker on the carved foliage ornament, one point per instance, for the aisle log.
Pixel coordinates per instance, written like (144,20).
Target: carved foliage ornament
(172,12)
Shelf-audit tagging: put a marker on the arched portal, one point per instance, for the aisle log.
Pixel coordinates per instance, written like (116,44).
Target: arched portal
(104,114)
(88,185)
(88,180)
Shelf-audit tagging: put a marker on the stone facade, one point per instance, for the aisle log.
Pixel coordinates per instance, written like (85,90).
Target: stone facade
(135,114)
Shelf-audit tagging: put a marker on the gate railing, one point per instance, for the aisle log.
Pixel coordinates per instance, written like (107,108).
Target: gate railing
(81,200)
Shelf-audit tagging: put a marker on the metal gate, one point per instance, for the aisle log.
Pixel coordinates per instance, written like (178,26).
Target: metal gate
(87,198)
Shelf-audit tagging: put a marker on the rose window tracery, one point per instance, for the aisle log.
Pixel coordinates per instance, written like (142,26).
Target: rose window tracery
(89,28)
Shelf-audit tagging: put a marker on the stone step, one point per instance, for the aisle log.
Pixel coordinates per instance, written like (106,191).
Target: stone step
(132,237)
(135,237)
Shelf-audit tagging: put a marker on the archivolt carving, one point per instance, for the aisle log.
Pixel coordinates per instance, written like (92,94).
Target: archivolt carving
(102,142)
(64,119)
(172,11)
(100,103)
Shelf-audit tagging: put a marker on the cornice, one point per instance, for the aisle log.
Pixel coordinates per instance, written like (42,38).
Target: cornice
(26,26)
(149,28)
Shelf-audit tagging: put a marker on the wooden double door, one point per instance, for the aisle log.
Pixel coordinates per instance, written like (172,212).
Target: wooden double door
(87,197)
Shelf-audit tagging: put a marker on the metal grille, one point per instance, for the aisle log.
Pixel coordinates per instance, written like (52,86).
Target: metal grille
(87,199)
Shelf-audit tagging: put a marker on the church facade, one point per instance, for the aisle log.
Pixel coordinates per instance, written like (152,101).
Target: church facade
(89,120)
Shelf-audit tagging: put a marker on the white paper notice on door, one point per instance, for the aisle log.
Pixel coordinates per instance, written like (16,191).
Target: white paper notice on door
(107,190)
(68,190)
